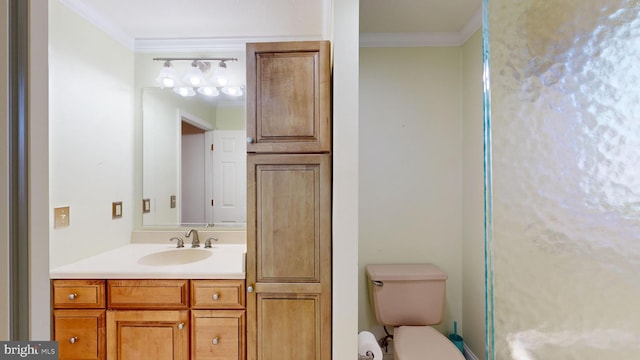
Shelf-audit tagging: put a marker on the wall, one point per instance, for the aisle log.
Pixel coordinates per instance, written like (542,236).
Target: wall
(473,292)
(91,96)
(410,207)
(345,15)
(4,171)
(161,147)
(39,190)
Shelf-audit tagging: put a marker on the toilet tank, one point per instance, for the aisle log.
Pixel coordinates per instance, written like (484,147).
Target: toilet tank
(407,294)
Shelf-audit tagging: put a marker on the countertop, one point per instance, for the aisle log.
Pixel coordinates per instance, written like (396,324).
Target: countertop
(226,261)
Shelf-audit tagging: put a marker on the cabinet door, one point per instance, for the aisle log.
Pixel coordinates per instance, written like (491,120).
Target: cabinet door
(289,257)
(146,334)
(288,235)
(292,322)
(218,335)
(80,334)
(288,97)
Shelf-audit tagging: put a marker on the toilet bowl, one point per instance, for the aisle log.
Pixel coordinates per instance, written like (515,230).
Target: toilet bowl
(423,343)
(411,297)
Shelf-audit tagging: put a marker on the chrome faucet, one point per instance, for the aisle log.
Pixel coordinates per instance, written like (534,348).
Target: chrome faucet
(196,241)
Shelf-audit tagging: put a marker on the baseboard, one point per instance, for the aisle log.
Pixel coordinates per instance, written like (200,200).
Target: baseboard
(468,354)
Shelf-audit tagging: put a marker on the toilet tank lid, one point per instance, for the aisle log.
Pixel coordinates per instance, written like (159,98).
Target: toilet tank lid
(388,272)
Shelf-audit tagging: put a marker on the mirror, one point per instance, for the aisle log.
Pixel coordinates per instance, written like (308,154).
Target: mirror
(184,182)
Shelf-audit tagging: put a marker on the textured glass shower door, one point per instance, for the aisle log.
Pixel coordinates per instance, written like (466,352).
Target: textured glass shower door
(563,179)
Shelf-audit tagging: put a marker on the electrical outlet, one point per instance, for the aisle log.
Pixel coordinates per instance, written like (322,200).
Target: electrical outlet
(61,217)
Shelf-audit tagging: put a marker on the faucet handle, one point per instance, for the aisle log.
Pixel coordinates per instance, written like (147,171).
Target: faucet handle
(179,240)
(207,243)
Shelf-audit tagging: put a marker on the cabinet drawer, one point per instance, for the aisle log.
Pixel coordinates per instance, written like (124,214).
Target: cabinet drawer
(217,294)
(218,334)
(148,294)
(80,333)
(78,294)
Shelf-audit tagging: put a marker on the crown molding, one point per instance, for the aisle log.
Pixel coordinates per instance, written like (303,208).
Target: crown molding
(423,39)
(207,44)
(99,21)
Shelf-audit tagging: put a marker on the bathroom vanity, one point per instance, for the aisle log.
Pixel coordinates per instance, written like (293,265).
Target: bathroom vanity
(122,305)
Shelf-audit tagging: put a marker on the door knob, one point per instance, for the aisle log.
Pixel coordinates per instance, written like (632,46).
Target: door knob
(249,140)
(250,289)
(181,326)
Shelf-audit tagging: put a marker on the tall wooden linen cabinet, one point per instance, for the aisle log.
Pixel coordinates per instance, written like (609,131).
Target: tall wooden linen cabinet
(289,201)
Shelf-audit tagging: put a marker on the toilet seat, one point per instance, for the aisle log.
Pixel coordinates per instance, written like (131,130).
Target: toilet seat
(423,343)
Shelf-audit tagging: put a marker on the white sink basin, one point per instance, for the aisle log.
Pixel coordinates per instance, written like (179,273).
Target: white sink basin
(175,257)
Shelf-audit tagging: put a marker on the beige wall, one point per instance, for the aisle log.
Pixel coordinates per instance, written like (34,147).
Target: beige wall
(91,134)
(410,207)
(473,294)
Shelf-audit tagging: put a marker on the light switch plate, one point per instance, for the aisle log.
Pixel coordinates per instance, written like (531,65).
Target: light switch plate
(116,209)
(146,206)
(61,217)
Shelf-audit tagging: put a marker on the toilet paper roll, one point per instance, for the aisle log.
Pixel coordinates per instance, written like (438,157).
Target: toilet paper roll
(367,342)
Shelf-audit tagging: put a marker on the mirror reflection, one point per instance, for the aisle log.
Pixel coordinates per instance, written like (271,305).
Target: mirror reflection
(194,160)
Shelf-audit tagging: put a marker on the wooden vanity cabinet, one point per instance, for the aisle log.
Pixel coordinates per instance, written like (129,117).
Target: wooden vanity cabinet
(289,97)
(79,319)
(150,319)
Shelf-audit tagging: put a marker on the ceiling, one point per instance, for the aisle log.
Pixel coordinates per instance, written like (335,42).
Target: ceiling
(138,22)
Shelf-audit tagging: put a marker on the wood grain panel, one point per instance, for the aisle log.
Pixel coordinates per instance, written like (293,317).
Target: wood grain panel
(86,328)
(227,327)
(86,294)
(288,327)
(288,97)
(230,294)
(134,335)
(148,294)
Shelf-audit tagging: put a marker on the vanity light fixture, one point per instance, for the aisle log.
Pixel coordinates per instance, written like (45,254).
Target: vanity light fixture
(232,90)
(197,78)
(167,76)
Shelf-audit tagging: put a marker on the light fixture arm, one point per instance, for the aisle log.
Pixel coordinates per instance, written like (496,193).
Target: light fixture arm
(192,59)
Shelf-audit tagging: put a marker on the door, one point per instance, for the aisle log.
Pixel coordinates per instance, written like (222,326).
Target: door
(229,200)
(289,257)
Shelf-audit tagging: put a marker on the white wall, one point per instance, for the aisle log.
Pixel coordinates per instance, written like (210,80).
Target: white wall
(4,171)
(91,134)
(473,289)
(345,178)
(39,190)
(411,166)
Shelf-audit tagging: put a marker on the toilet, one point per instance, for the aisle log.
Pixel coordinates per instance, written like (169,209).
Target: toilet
(411,298)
